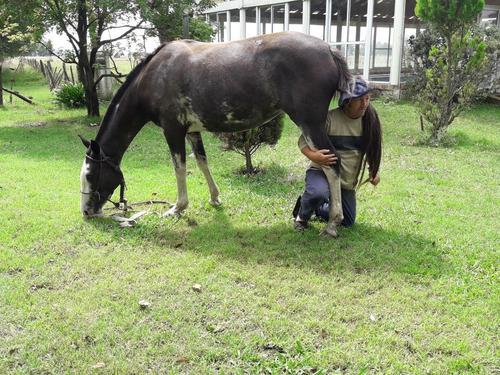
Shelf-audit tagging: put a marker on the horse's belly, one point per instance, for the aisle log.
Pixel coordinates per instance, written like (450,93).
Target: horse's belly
(232,123)
(224,118)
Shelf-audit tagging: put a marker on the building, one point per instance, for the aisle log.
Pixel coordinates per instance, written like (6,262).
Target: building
(370,33)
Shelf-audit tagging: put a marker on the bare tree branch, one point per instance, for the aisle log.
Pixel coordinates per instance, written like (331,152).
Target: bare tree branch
(115,76)
(20,96)
(68,61)
(103,42)
(135,27)
(114,65)
(59,13)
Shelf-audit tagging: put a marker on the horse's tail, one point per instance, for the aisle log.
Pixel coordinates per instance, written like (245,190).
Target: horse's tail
(130,78)
(345,78)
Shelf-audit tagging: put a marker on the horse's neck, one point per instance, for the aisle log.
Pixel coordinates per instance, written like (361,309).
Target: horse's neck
(115,136)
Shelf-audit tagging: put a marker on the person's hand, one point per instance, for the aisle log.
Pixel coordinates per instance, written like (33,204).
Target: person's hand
(375,180)
(323,157)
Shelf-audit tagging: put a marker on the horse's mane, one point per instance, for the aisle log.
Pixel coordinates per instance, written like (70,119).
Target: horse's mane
(130,78)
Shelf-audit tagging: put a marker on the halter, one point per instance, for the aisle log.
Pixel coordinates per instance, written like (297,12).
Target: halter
(122,204)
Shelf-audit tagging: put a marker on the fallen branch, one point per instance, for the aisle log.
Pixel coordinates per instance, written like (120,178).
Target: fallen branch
(15,93)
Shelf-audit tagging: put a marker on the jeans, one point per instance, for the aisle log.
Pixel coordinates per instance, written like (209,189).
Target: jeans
(316,197)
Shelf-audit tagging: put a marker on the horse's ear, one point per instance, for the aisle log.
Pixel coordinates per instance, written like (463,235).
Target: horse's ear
(95,149)
(85,142)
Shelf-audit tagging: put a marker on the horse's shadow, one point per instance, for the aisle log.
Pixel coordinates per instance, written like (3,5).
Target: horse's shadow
(362,248)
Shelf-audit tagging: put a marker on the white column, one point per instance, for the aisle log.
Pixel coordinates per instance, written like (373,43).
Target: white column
(328,21)
(217,20)
(306,16)
(228,18)
(397,44)
(369,39)
(272,19)
(287,16)
(243,24)
(257,20)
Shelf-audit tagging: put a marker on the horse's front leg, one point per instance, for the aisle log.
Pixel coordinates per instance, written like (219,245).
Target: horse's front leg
(201,159)
(335,213)
(177,143)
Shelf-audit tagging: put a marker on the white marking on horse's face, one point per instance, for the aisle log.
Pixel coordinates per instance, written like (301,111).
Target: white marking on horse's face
(189,117)
(84,188)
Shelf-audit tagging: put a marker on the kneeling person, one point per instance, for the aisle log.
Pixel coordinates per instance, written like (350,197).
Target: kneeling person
(355,132)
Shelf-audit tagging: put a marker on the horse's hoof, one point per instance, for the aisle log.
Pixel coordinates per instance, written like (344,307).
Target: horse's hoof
(173,211)
(329,232)
(215,202)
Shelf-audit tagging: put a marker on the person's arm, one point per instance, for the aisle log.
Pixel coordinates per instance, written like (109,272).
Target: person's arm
(374,180)
(321,157)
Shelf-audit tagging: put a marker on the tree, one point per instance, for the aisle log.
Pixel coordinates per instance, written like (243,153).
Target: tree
(18,29)
(84,23)
(166,17)
(247,142)
(451,63)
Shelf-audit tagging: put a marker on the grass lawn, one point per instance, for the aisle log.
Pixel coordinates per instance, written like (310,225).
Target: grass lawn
(412,288)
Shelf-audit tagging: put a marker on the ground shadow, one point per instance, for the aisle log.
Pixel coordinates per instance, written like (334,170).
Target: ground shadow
(267,183)
(363,248)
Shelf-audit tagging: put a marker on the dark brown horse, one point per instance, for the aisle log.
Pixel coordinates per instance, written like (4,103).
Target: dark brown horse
(186,87)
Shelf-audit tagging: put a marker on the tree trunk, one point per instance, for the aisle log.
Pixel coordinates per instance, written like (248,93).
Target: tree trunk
(85,65)
(1,83)
(92,100)
(87,75)
(248,159)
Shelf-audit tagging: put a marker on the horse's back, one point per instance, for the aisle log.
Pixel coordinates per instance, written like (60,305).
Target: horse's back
(237,85)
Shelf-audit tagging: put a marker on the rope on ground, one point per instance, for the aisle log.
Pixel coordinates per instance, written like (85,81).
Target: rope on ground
(127,222)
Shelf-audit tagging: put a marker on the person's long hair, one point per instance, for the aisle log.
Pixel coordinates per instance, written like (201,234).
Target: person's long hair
(371,143)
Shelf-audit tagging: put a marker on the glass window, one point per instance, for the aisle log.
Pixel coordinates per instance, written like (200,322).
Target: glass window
(318,9)
(278,18)
(382,38)
(265,20)
(355,55)
(221,27)
(251,23)
(212,19)
(489,17)
(339,17)
(296,16)
(235,24)
(357,22)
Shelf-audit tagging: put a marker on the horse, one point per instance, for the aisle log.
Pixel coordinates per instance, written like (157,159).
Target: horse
(186,87)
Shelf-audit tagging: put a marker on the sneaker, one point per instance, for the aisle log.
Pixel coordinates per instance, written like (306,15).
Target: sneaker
(300,226)
(296,209)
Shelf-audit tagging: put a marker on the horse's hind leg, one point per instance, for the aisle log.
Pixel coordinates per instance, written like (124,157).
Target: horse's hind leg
(311,121)
(177,143)
(201,158)
(336,215)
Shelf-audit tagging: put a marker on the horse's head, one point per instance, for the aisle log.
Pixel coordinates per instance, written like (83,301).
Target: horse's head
(99,178)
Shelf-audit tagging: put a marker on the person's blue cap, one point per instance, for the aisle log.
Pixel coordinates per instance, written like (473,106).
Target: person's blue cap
(360,88)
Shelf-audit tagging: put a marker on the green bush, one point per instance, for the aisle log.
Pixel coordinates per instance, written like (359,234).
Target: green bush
(71,95)
(453,63)
(247,142)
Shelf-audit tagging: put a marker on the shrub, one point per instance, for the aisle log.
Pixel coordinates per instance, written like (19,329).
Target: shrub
(247,142)
(71,95)
(452,63)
